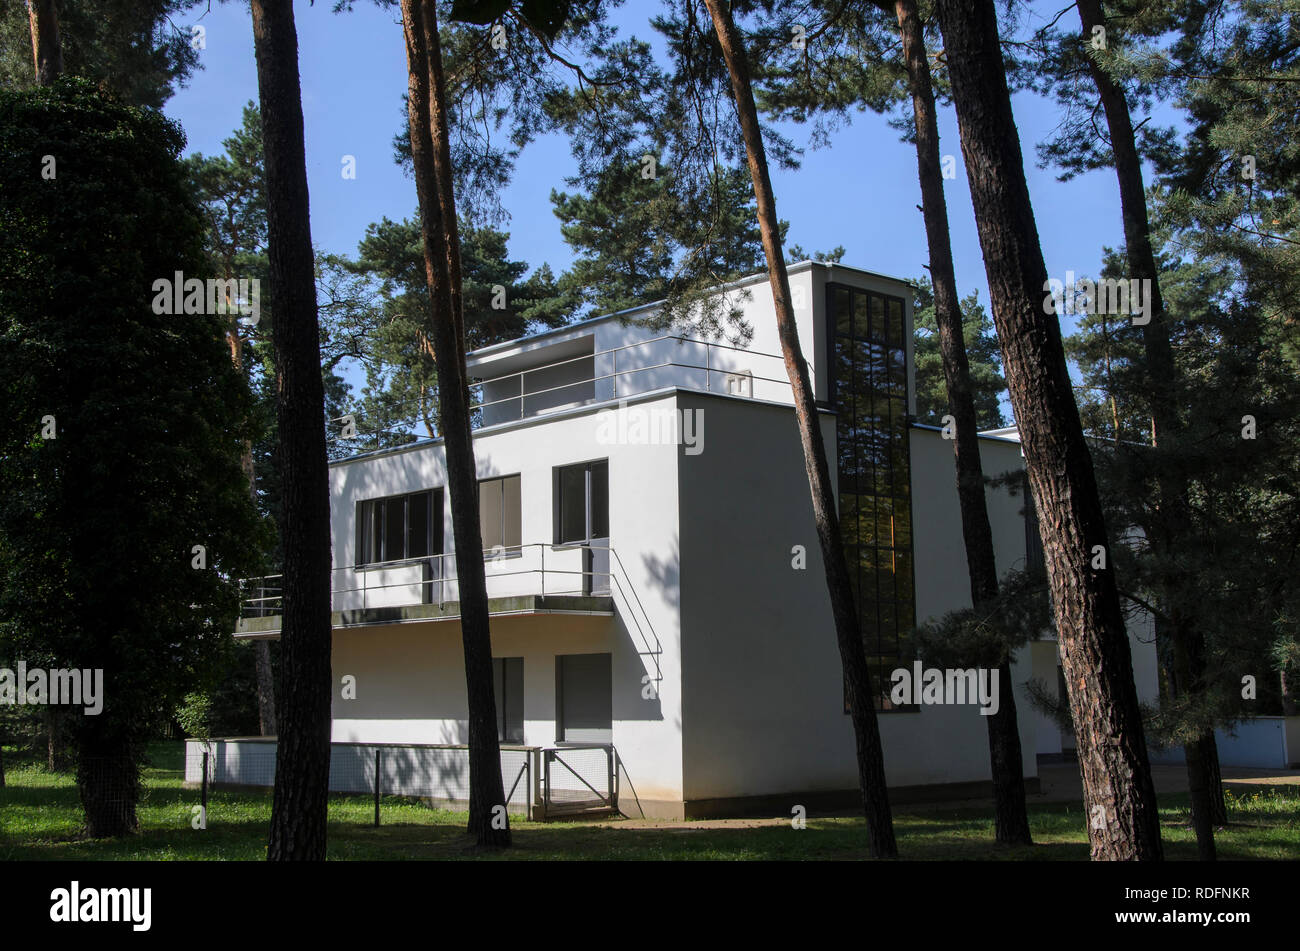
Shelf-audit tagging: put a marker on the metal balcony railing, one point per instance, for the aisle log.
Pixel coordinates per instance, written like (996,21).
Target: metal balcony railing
(535,569)
(617,373)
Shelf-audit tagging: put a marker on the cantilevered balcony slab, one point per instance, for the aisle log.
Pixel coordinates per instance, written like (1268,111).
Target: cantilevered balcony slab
(268,628)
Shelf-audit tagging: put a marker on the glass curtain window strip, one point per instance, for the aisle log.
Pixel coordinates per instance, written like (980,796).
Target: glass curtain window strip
(869,392)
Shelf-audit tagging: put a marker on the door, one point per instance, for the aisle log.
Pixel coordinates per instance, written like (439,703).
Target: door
(582,518)
(584,698)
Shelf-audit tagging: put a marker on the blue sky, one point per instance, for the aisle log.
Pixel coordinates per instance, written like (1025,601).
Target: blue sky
(860,192)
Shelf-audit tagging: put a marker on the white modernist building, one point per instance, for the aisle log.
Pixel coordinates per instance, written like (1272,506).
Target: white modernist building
(661,630)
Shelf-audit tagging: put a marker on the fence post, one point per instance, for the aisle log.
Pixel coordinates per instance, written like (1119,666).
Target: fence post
(613,770)
(203,786)
(379,760)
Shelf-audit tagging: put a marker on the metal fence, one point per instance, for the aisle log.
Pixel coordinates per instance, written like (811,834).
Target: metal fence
(538,782)
(597,377)
(218,784)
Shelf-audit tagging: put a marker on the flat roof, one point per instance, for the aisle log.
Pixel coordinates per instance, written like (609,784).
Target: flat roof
(797,267)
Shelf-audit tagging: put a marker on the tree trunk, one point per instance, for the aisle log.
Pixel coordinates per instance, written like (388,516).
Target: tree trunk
(299,807)
(108,781)
(265,677)
(431,155)
(1162,391)
(1123,823)
(47,49)
(1218,807)
(1012,819)
(871,764)
(265,688)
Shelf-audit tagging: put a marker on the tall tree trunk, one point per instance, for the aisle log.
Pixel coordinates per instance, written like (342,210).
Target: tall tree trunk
(298,812)
(265,678)
(47,49)
(431,155)
(108,781)
(265,674)
(1161,382)
(866,729)
(1012,818)
(1123,823)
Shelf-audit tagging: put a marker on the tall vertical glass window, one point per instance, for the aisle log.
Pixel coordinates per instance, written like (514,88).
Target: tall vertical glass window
(868,389)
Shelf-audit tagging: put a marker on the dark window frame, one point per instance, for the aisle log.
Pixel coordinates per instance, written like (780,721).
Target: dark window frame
(362,560)
(886,452)
(504,708)
(589,502)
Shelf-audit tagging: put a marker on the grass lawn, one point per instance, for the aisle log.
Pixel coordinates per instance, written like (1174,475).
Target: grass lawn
(40,818)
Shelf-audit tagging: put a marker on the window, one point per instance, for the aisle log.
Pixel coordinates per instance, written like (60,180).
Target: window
(508,677)
(584,698)
(399,528)
(869,391)
(499,514)
(582,502)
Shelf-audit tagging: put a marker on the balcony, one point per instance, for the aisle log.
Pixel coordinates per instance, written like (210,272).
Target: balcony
(530,579)
(580,376)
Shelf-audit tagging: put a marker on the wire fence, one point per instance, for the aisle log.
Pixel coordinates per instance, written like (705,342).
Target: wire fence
(434,774)
(227,782)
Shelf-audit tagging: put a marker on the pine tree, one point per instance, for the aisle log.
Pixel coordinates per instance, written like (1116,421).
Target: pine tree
(299,808)
(1118,792)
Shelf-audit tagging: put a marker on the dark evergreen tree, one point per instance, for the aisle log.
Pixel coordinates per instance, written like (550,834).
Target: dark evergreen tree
(120,445)
(136,48)
(988,385)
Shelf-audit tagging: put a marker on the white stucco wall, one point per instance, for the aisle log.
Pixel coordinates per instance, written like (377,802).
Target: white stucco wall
(763,701)
(415,671)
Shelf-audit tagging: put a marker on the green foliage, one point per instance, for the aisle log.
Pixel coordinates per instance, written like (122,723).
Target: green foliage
(661,207)
(231,191)
(194,713)
(1230,564)
(376,309)
(1054,62)
(97,525)
(135,48)
(546,17)
(1235,183)
(987,382)
(989,634)
(497,95)
(849,61)
(636,238)
(796,253)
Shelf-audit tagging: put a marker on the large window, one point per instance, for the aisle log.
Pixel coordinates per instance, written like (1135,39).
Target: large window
(499,514)
(582,502)
(399,528)
(508,672)
(869,392)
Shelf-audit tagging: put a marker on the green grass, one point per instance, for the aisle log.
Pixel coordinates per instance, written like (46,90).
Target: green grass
(40,818)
